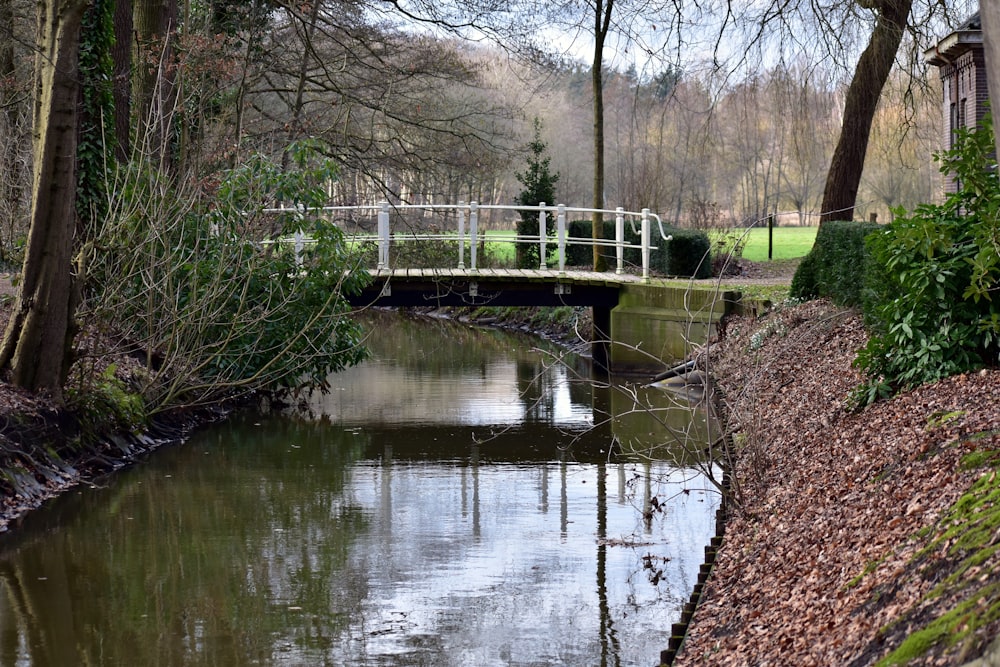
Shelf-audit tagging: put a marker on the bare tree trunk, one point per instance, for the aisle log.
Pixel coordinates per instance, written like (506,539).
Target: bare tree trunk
(602,21)
(841,192)
(36,343)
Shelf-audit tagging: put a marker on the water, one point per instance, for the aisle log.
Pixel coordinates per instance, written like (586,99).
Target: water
(451,502)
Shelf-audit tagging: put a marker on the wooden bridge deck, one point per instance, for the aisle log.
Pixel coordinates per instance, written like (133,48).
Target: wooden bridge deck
(498,287)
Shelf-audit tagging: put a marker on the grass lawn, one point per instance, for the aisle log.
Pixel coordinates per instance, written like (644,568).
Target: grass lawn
(789,243)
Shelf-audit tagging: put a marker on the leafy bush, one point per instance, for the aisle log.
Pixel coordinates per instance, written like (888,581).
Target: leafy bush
(804,282)
(191,287)
(934,273)
(837,264)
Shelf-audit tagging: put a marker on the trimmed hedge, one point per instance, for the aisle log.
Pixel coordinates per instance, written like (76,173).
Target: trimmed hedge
(686,255)
(836,265)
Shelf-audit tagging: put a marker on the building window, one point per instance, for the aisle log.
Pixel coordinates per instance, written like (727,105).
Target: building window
(953,124)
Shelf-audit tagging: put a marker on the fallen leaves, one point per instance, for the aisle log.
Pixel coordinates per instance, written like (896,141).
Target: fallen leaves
(824,559)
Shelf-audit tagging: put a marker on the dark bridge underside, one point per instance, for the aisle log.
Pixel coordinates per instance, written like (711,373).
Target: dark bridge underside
(484,290)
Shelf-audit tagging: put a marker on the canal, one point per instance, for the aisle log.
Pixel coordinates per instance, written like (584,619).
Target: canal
(459,499)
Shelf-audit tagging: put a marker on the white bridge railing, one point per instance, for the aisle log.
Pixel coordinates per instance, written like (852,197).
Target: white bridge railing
(466,220)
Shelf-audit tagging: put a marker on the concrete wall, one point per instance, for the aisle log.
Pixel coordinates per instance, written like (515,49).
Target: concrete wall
(655,325)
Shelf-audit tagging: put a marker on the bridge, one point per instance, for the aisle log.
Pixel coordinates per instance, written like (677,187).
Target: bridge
(639,322)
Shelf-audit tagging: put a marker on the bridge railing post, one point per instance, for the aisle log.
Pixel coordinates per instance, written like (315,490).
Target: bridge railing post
(620,239)
(645,244)
(383,236)
(299,245)
(541,236)
(561,236)
(473,232)
(461,234)
(300,213)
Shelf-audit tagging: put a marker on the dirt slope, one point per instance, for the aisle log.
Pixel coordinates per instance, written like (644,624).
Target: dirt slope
(840,549)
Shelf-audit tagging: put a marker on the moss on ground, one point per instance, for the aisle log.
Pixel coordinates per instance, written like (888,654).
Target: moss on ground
(969,533)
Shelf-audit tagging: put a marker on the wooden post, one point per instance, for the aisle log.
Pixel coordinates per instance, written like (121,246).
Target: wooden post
(770,236)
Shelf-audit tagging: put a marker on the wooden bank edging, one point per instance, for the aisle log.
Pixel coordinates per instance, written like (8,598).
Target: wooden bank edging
(678,631)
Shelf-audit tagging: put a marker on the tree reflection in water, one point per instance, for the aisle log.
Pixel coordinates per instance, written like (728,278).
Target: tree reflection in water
(363,534)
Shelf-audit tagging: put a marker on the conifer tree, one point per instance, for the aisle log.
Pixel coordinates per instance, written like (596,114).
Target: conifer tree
(539,186)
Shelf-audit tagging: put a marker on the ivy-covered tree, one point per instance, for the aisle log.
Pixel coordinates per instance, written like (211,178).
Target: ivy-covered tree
(539,187)
(96,149)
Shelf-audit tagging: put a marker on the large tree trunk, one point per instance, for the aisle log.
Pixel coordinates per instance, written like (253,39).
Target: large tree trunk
(602,21)
(154,90)
(121,54)
(841,192)
(36,344)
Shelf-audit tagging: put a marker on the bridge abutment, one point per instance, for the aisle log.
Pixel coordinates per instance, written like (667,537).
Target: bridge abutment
(639,327)
(654,325)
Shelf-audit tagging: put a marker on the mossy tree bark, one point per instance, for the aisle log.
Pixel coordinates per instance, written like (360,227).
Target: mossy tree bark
(841,191)
(36,344)
(154,93)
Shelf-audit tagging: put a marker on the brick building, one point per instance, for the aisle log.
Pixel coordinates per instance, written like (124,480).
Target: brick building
(961,63)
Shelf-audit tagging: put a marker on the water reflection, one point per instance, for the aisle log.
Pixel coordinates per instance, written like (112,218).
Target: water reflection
(439,372)
(465,532)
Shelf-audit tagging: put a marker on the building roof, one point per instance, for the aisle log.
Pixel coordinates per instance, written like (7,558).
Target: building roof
(967,36)
(971,23)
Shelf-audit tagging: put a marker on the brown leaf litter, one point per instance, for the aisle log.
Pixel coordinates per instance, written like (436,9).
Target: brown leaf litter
(822,563)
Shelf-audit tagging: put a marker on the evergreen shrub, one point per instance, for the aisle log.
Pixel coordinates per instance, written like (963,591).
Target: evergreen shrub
(934,280)
(837,264)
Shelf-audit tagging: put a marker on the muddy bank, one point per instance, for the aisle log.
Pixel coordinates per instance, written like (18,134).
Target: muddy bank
(44,452)
(567,326)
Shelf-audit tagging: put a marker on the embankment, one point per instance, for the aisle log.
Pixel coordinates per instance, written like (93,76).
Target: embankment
(856,538)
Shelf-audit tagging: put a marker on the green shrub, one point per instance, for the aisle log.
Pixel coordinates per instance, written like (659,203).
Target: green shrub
(188,283)
(836,266)
(687,254)
(931,314)
(804,283)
